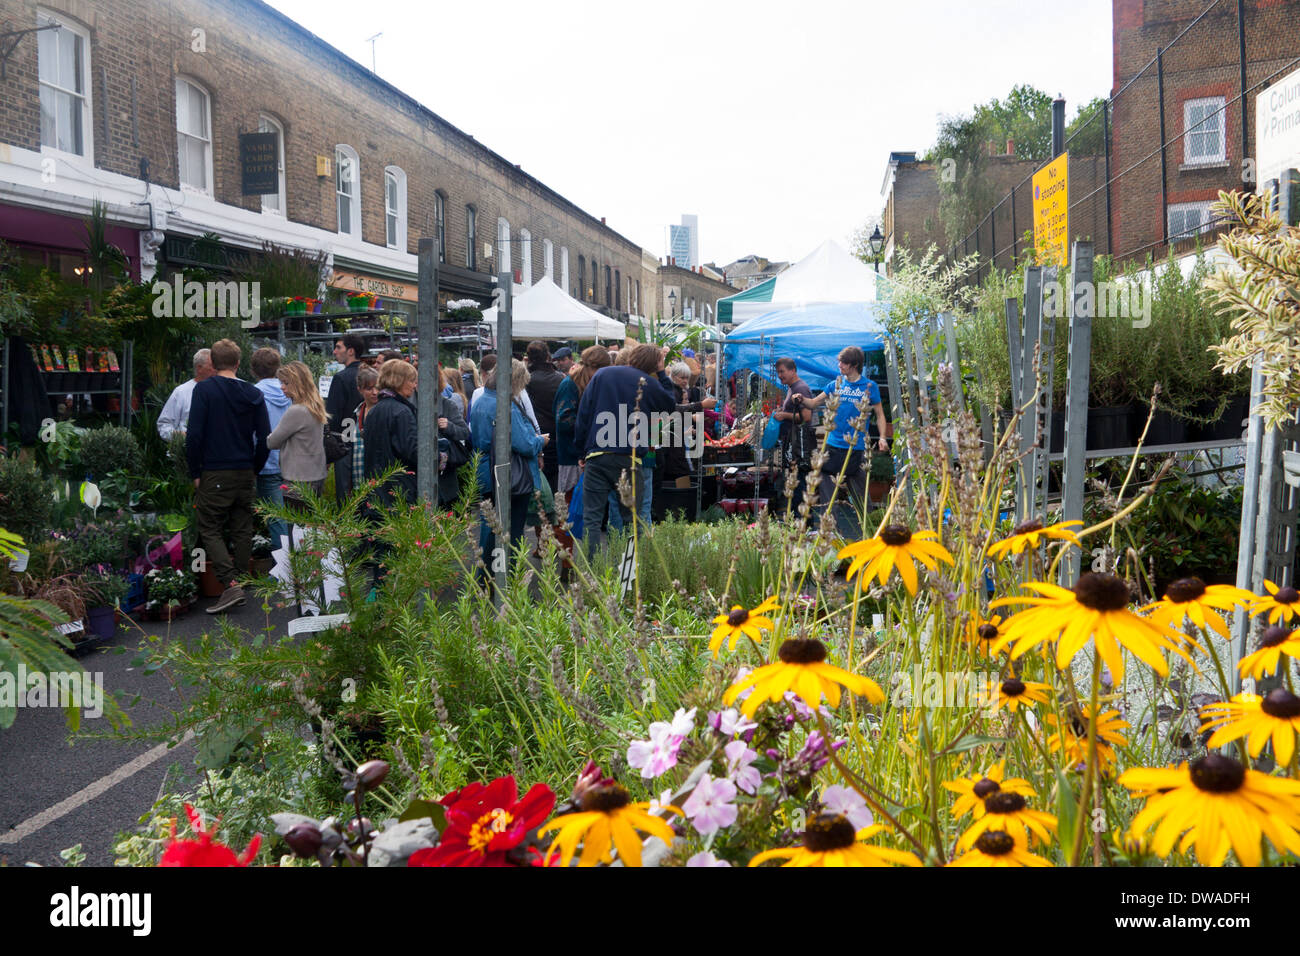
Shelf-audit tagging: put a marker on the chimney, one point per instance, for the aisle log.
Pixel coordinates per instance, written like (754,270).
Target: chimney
(602,220)
(1011,147)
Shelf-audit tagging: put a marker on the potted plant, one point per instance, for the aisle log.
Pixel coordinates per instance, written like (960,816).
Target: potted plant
(169,593)
(881,477)
(104,593)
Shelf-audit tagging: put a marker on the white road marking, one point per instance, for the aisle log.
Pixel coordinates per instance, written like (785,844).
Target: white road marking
(88,793)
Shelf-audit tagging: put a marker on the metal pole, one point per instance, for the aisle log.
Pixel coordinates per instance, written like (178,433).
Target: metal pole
(426,311)
(1249,514)
(1164,178)
(1015,236)
(1076,398)
(1241,59)
(501,427)
(1035,276)
(1058,127)
(1105,133)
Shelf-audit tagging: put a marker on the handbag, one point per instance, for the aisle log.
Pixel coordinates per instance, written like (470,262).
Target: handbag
(335,446)
(771,433)
(457,453)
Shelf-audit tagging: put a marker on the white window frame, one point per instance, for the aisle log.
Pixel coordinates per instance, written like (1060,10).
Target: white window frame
(440,224)
(397,216)
(525,258)
(44,18)
(269,124)
(548,259)
(1204,215)
(504,263)
(1195,130)
(341,152)
(181,83)
(564,269)
(471,236)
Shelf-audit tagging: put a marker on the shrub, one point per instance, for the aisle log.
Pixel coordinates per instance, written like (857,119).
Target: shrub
(111,448)
(26,497)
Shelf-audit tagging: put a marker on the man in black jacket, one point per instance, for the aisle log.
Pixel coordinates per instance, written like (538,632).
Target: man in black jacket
(342,401)
(226,448)
(543,383)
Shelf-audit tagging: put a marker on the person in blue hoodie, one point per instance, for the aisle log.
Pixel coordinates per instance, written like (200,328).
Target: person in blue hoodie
(226,448)
(265,363)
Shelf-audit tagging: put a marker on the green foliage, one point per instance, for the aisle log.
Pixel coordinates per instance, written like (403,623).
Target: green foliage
(26,498)
(14,312)
(108,264)
(1084,135)
(285,272)
(111,448)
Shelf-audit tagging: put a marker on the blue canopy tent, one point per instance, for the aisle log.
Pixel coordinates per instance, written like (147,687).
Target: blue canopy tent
(812,335)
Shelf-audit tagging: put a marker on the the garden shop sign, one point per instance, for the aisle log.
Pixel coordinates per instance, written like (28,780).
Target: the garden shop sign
(1052,211)
(208,300)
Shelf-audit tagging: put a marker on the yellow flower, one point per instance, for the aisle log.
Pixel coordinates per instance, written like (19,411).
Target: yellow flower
(1192,598)
(802,668)
(1006,810)
(1273,643)
(984,632)
(1026,535)
(608,819)
(1074,738)
(1282,604)
(1096,608)
(1256,718)
(1217,805)
(740,623)
(829,840)
(1014,692)
(998,848)
(975,788)
(1127,843)
(896,546)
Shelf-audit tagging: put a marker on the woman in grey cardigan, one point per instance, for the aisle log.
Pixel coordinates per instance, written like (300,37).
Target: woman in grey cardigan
(299,435)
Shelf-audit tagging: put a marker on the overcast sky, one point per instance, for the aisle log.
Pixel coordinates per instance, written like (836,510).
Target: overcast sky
(770,121)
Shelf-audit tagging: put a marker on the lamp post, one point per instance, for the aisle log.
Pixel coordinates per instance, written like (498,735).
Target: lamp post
(877,242)
(672,305)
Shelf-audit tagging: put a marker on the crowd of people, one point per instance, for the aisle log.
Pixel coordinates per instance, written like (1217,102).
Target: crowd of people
(274,439)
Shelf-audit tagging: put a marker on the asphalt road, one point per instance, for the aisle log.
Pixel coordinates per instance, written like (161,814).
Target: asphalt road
(56,792)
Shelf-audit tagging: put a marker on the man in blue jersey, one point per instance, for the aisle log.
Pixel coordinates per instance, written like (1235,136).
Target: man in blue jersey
(843,443)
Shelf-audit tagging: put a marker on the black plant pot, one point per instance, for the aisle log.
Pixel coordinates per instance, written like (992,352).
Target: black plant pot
(1110,427)
(1231,423)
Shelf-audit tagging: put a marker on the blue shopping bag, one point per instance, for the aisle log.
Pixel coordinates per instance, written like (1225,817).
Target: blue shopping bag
(771,434)
(575,508)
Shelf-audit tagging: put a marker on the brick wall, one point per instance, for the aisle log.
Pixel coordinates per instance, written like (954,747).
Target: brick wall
(252,60)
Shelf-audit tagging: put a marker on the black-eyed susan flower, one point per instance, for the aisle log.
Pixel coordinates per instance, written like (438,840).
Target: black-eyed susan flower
(1216,805)
(1281,604)
(1027,533)
(608,820)
(830,840)
(1014,692)
(1073,737)
(1006,810)
(802,669)
(1131,846)
(1097,608)
(1258,719)
(742,623)
(984,632)
(896,546)
(1273,643)
(998,848)
(1193,598)
(971,791)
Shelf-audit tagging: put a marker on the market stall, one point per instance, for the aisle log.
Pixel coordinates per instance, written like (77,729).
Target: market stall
(545,311)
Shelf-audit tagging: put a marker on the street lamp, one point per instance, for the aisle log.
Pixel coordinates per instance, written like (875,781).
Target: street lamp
(877,242)
(672,305)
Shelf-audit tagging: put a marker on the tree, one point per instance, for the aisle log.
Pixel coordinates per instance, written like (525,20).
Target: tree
(1084,135)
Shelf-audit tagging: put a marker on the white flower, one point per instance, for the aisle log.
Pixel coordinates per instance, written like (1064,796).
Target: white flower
(683,722)
(731,722)
(658,803)
(709,806)
(705,858)
(847,803)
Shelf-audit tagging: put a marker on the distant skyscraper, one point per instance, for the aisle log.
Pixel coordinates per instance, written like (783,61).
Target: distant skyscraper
(684,242)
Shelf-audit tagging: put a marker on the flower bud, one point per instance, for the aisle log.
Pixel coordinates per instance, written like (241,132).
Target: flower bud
(304,839)
(371,774)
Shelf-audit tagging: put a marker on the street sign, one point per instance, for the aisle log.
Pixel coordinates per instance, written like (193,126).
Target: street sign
(1052,212)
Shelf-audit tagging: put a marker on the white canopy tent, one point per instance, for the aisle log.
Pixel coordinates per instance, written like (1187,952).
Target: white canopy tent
(545,311)
(827,274)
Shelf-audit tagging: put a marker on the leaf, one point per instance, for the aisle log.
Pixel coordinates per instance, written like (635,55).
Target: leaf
(970,742)
(1067,811)
(419,809)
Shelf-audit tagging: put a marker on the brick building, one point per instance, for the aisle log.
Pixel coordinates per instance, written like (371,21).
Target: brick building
(1209,124)
(681,290)
(749,271)
(142,105)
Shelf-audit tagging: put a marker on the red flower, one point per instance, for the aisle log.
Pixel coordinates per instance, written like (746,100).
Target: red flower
(203,851)
(483,822)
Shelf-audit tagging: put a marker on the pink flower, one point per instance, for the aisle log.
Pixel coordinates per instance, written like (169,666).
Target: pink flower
(730,722)
(284,487)
(658,755)
(739,771)
(849,804)
(705,858)
(709,806)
